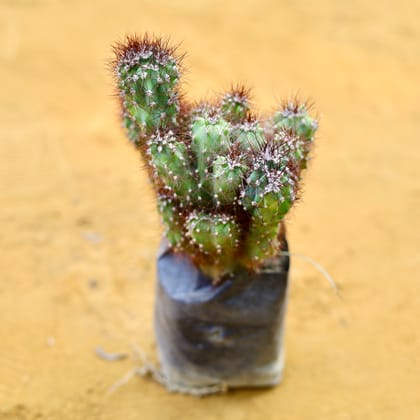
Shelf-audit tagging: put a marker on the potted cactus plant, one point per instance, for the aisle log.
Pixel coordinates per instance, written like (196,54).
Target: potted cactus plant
(224,181)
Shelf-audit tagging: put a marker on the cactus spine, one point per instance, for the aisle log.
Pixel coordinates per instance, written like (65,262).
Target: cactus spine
(224,179)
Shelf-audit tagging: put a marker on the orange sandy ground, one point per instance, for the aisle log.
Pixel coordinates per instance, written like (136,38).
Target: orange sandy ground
(77,212)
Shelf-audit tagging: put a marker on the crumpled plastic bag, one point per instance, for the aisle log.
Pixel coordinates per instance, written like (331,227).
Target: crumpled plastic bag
(211,338)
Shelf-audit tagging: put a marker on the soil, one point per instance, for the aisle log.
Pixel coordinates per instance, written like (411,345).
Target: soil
(79,230)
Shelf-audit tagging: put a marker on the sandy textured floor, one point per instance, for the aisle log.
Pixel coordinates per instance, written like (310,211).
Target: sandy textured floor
(79,228)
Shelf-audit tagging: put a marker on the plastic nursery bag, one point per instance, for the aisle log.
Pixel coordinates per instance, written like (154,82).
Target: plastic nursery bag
(211,338)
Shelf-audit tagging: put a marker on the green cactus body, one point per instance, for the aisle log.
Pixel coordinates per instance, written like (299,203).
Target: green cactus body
(295,118)
(225,179)
(249,137)
(170,160)
(210,138)
(216,235)
(262,238)
(172,221)
(267,197)
(235,105)
(205,110)
(213,233)
(273,206)
(150,97)
(261,243)
(147,76)
(131,128)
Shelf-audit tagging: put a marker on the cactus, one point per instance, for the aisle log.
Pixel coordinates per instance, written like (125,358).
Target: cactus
(294,117)
(235,104)
(224,179)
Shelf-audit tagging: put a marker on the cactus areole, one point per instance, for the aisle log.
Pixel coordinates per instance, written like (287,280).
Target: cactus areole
(224,178)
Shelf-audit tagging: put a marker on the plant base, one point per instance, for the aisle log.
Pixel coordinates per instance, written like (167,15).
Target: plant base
(229,335)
